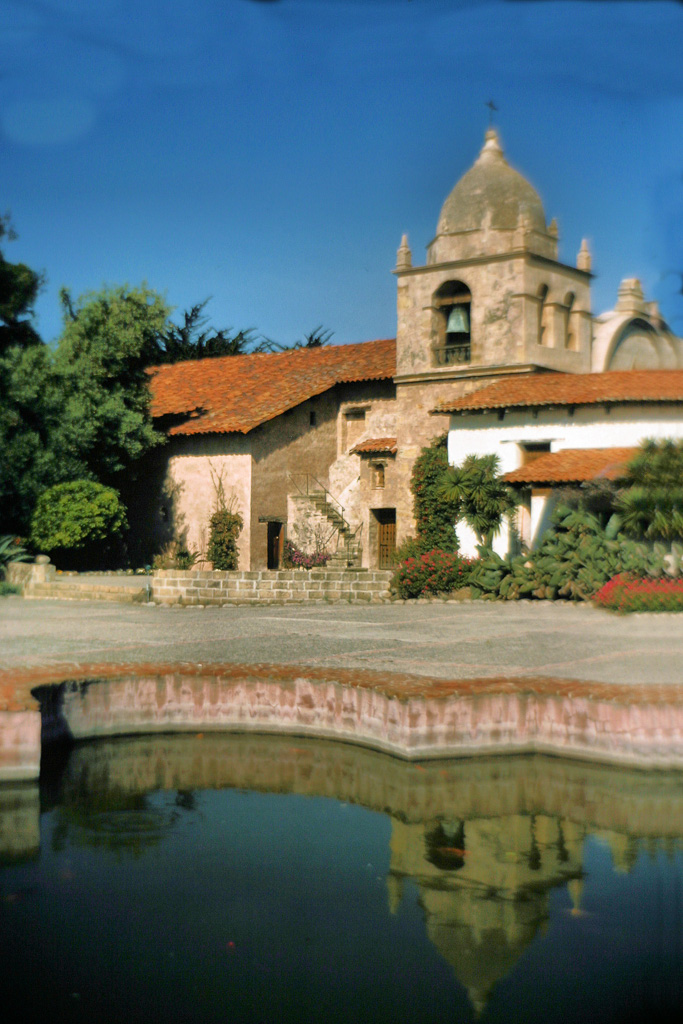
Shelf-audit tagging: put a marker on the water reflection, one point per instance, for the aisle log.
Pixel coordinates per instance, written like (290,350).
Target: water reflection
(19,822)
(487,843)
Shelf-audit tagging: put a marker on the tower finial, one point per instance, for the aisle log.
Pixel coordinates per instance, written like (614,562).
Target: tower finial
(492,106)
(403,256)
(583,260)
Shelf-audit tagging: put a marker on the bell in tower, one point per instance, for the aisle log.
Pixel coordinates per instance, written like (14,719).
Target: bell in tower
(458,321)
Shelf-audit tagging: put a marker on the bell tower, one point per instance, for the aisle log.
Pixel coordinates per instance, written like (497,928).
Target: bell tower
(492,295)
(490,300)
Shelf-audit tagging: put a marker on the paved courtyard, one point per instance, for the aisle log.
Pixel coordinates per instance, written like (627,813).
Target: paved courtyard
(448,640)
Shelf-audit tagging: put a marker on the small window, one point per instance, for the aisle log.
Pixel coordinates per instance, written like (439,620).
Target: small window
(312,419)
(377,470)
(533,450)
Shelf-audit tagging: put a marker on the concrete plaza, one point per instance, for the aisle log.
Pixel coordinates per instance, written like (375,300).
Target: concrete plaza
(447,640)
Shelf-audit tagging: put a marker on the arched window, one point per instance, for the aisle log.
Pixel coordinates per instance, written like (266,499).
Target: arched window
(570,339)
(452,308)
(543,333)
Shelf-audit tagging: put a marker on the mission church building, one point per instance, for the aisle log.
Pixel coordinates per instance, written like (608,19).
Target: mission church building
(496,343)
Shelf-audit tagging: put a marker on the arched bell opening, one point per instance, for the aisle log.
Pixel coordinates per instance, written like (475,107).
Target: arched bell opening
(544,332)
(452,324)
(570,334)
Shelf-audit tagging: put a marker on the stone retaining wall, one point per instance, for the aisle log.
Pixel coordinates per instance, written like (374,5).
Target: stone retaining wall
(411,717)
(20,733)
(28,574)
(193,587)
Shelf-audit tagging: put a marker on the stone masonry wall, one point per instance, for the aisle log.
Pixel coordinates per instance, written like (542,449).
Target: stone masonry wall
(171,586)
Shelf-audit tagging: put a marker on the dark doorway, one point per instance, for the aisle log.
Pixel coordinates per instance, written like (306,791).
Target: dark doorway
(276,541)
(386,536)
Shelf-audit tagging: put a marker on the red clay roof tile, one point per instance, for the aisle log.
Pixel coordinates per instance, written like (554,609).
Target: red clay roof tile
(573,389)
(237,393)
(573,465)
(377,446)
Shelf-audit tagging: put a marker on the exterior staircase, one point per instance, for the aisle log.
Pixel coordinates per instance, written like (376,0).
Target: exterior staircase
(348,553)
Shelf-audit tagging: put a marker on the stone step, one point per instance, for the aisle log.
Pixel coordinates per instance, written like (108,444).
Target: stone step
(86,592)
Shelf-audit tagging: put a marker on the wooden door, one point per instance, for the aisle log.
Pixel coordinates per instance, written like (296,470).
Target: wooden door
(386,536)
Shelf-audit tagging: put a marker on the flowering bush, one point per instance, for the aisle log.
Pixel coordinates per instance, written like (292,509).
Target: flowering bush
(292,558)
(435,572)
(625,593)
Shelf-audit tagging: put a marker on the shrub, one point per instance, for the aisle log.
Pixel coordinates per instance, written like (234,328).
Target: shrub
(293,558)
(434,572)
(225,527)
(8,588)
(82,520)
(624,593)
(573,561)
(175,555)
(435,515)
(11,550)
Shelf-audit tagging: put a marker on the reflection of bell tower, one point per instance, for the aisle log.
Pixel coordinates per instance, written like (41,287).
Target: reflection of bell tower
(484,886)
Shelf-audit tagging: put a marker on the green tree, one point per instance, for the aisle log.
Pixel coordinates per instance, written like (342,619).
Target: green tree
(19,287)
(193,340)
(109,338)
(479,495)
(26,398)
(316,338)
(29,413)
(651,505)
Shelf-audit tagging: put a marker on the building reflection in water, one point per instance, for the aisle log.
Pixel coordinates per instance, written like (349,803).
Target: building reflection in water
(484,886)
(485,841)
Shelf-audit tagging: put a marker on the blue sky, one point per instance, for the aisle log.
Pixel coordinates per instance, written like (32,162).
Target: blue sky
(271,154)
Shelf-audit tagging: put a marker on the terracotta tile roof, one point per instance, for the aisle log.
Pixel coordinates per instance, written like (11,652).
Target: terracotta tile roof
(573,465)
(573,389)
(377,446)
(237,393)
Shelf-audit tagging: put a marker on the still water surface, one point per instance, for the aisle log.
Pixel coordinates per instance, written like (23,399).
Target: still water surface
(267,879)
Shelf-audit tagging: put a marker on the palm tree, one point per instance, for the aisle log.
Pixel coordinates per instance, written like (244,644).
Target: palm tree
(481,497)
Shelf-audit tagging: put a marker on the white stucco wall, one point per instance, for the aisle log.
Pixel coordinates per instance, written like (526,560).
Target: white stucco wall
(591,426)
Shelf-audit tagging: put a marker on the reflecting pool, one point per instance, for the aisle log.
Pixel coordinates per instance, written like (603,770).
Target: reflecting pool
(270,879)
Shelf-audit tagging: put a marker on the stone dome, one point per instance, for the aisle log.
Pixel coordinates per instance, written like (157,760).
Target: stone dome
(491,187)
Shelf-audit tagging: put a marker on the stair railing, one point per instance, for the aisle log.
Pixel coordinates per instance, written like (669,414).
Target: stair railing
(312,487)
(309,486)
